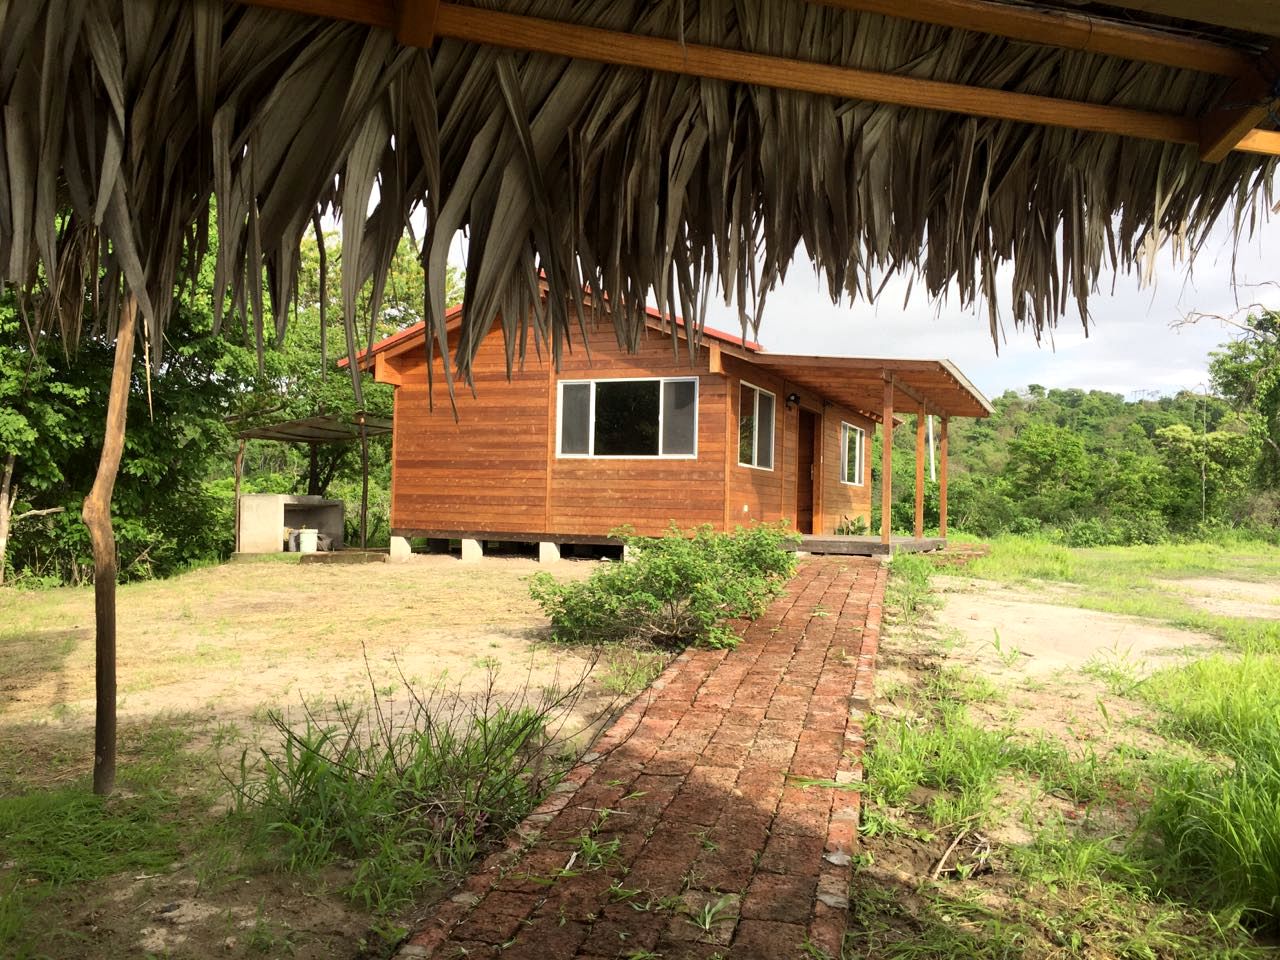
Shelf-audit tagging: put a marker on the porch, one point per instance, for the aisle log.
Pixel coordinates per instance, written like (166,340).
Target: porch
(837,545)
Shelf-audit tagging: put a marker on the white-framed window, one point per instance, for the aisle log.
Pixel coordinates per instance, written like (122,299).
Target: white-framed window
(755,427)
(623,419)
(853,454)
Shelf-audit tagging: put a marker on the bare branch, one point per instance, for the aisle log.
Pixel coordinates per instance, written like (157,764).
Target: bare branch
(38,513)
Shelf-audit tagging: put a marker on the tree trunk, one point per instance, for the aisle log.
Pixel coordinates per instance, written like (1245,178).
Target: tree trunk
(97,517)
(6,508)
(364,483)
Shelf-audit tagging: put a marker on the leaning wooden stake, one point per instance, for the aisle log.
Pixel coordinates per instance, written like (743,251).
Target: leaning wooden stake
(97,517)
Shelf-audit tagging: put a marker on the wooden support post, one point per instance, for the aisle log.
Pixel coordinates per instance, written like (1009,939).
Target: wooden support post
(942,479)
(97,517)
(313,472)
(919,524)
(886,465)
(239,474)
(364,482)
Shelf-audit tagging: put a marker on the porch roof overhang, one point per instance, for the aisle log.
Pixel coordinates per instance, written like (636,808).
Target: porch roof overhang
(919,386)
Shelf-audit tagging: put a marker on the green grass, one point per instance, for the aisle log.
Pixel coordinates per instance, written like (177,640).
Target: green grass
(64,838)
(1213,827)
(950,753)
(628,668)
(1201,872)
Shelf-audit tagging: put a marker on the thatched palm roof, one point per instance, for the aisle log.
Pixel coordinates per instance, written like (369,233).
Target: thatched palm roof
(123,118)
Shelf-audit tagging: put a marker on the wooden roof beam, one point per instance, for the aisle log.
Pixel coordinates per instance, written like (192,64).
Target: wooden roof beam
(1063,28)
(519,32)
(1250,99)
(416,22)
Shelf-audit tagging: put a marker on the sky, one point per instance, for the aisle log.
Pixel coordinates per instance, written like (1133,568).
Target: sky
(1132,348)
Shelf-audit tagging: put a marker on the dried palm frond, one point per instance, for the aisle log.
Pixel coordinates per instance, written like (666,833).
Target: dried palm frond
(123,119)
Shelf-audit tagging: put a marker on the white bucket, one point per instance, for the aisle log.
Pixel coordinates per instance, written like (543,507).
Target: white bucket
(307,540)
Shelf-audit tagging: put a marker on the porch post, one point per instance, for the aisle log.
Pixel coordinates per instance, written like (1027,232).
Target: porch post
(919,526)
(886,464)
(942,481)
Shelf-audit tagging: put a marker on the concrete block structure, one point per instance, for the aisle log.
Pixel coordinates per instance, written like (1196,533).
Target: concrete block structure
(265,520)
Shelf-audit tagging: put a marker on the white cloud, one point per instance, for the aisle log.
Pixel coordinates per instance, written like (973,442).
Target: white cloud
(1132,346)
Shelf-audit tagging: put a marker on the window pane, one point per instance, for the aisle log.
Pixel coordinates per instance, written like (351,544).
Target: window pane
(764,439)
(860,458)
(746,425)
(575,417)
(679,406)
(627,418)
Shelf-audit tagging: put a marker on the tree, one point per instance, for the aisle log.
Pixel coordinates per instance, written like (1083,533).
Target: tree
(36,422)
(1246,371)
(1046,471)
(1207,470)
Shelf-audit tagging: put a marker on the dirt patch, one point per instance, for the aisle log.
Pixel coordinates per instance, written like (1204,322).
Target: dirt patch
(229,642)
(1229,598)
(1013,633)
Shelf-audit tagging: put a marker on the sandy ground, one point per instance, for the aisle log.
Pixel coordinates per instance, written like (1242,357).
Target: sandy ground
(1014,633)
(229,643)
(1231,598)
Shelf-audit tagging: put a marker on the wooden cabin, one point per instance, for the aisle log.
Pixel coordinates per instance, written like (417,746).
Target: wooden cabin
(727,436)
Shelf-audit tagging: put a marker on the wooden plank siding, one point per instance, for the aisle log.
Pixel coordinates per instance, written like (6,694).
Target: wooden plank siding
(495,469)
(590,496)
(843,500)
(756,494)
(484,472)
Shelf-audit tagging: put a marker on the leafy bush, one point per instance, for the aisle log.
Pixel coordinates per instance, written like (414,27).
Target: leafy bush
(676,590)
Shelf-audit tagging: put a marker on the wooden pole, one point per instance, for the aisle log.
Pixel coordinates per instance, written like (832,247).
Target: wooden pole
(313,472)
(239,474)
(919,525)
(942,480)
(97,517)
(364,482)
(886,465)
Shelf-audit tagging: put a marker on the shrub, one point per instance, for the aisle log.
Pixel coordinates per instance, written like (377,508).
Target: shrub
(412,792)
(676,590)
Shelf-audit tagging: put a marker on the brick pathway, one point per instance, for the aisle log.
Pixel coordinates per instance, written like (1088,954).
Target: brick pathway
(697,830)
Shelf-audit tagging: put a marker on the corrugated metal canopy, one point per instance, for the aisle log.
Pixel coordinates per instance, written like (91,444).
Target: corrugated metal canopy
(937,386)
(326,428)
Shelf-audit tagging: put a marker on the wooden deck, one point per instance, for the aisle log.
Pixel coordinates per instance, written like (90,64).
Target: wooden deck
(868,546)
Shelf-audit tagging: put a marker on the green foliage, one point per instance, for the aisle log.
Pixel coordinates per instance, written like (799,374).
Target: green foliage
(1217,832)
(674,590)
(412,799)
(1090,468)
(173,505)
(165,517)
(1247,372)
(1215,827)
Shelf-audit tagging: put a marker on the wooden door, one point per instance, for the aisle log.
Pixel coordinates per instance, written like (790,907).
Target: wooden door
(805,459)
